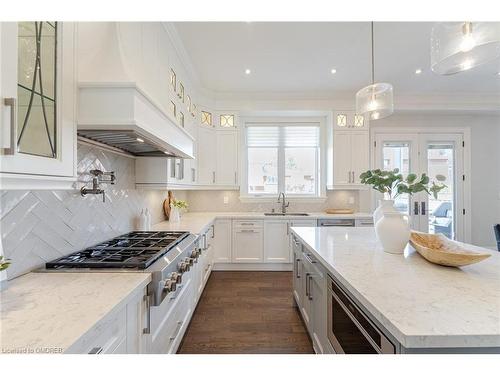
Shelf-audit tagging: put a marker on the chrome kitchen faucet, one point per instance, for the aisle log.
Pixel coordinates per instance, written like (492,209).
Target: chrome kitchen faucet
(284,204)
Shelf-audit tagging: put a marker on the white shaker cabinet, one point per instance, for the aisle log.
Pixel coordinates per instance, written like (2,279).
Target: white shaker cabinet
(207,156)
(248,241)
(350,157)
(276,244)
(227,158)
(221,241)
(37,120)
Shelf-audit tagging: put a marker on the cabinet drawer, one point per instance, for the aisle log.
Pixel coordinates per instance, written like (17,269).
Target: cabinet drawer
(248,223)
(168,327)
(107,337)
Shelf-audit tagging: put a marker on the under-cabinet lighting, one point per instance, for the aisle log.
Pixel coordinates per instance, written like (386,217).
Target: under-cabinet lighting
(140,140)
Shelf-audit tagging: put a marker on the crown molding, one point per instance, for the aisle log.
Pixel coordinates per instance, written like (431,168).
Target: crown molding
(182,53)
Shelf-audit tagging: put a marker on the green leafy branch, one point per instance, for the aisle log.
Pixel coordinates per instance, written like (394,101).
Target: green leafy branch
(181,205)
(4,263)
(393,183)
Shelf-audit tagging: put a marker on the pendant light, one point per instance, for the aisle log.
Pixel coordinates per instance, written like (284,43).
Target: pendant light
(376,100)
(460,46)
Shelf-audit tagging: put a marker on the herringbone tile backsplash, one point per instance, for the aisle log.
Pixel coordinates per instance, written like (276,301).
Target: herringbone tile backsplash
(39,226)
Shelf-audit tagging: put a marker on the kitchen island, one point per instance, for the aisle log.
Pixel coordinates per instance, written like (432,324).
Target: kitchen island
(421,306)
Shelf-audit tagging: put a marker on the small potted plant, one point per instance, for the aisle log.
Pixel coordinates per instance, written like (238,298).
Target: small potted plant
(394,233)
(177,206)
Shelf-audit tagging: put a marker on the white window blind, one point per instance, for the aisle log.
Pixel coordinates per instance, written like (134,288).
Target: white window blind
(283,135)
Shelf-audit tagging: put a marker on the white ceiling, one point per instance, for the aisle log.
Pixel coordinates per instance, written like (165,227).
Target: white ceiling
(297,57)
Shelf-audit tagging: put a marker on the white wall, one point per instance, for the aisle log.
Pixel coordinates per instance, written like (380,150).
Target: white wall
(485,163)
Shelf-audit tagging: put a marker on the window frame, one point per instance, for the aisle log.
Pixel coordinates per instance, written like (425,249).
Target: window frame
(320,172)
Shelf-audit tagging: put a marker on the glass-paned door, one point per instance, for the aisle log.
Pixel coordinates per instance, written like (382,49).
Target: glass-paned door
(398,151)
(433,154)
(442,154)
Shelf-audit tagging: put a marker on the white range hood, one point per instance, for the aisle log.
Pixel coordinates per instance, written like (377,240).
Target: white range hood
(122,116)
(115,84)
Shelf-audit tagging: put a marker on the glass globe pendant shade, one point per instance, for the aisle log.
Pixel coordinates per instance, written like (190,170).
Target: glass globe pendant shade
(375,101)
(460,46)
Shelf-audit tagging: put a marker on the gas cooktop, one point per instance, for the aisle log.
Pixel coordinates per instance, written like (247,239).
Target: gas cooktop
(132,250)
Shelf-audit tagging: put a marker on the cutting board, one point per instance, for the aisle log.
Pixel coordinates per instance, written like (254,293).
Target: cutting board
(166,204)
(339,211)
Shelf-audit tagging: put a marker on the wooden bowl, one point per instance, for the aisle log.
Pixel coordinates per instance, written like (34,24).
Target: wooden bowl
(438,249)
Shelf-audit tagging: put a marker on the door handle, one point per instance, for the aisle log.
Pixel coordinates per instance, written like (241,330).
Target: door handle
(310,294)
(415,208)
(236,178)
(213,177)
(353,177)
(96,350)
(307,285)
(177,330)
(11,102)
(297,268)
(423,210)
(147,330)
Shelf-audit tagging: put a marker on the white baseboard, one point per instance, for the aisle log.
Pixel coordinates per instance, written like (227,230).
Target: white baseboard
(252,267)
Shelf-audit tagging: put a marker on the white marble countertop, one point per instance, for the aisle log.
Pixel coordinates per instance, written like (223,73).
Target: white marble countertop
(198,222)
(52,310)
(421,304)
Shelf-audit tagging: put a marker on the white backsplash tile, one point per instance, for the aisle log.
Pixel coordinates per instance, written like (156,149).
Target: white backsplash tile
(39,226)
(213,200)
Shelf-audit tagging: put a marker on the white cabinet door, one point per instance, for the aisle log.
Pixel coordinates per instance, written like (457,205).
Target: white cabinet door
(222,241)
(317,296)
(298,291)
(360,155)
(276,243)
(351,153)
(247,245)
(342,158)
(207,156)
(227,158)
(37,160)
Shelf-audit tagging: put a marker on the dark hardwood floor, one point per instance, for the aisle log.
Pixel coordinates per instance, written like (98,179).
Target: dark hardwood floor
(246,312)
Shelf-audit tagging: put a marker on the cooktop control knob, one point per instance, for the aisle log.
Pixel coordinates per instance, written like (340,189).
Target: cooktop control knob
(170,286)
(176,276)
(195,255)
(189,260)
(183,267)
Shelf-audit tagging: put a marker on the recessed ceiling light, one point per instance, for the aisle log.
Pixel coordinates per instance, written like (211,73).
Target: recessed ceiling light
(418,71)
(248,71)
(333,71)
(140,140)
(498,74)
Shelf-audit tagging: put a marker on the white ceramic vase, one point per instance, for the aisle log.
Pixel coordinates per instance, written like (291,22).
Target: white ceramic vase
(393,232)
(175,215)
(384,205)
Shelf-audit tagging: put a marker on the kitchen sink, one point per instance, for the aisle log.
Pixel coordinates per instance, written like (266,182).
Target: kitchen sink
(286,214)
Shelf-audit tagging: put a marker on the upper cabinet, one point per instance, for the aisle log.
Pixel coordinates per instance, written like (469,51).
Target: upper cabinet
(349,120)
(218,150)
(351,149)
(37,91)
